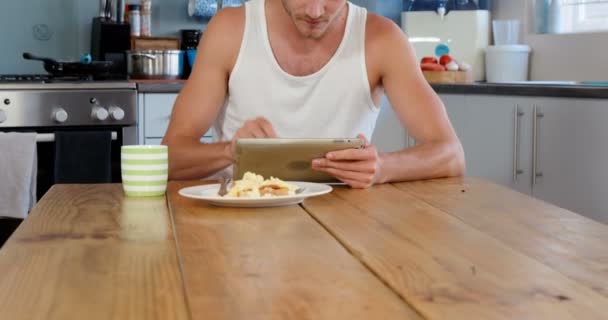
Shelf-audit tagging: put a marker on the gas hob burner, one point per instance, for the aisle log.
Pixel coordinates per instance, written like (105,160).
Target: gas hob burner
(41,78)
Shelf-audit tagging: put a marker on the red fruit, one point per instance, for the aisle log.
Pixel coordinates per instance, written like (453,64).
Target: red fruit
(445,59)
(432,67)
(429,60)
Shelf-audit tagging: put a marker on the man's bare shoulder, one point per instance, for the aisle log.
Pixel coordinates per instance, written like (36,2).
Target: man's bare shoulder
(227,19)
(224,34)
(381,29)
(385,44)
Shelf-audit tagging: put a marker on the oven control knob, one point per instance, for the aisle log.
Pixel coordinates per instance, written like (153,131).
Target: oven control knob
(117,113)
(2,116)
(60,115)
(99,113)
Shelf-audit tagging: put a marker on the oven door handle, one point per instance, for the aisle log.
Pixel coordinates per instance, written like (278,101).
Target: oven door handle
(50,137)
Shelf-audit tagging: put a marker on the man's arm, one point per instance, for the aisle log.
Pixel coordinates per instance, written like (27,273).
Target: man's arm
(201,99)
(438,152)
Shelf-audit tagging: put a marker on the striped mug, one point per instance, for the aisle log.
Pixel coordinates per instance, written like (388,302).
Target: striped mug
(144,170)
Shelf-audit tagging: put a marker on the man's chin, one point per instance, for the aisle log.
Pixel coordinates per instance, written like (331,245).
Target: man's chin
(312,33)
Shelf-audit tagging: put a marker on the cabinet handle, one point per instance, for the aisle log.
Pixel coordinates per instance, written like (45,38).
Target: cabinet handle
(535,172)
(516,170)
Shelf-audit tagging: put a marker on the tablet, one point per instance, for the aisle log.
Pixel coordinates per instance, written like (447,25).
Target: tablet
(287,159)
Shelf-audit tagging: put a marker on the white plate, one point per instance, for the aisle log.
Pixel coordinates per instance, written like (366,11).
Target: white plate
(209,193)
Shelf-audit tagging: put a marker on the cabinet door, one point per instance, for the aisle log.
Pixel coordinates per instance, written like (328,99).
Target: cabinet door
(495,134)
(157,114)
(572,155)
(389,134)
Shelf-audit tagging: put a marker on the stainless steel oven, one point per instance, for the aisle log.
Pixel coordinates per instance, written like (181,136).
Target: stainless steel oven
(48,107)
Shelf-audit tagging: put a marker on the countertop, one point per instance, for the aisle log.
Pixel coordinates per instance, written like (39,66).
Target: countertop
(573,90)
(159,86)
(457,248)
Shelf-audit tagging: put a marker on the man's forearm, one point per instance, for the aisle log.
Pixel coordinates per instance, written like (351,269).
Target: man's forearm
(195,160)
(424,161)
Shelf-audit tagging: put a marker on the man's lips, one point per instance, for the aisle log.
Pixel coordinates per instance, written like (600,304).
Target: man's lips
(313,23)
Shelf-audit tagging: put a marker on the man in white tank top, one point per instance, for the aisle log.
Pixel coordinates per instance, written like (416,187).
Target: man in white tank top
(309,69)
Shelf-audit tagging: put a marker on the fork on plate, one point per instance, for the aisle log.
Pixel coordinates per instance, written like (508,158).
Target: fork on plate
(224,183)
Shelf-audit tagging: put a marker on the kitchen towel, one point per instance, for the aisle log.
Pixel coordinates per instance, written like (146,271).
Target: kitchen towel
(18,169)
(83,157)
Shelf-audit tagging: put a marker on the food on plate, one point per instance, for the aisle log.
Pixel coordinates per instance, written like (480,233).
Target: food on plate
(429,60)
(432,67)
(255,186)
(445,59)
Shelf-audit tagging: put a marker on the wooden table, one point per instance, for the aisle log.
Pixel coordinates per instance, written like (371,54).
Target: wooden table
(442,249)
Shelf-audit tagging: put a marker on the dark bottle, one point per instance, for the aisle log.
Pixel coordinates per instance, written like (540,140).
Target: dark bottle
(484,4)
(465,5)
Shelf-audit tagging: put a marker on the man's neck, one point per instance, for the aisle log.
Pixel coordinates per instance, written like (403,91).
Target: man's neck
(296,40)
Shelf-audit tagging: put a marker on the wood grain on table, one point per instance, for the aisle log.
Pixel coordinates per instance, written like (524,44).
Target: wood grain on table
(446,268)
(87,253)
(272,263)
(567,242)
(441,249)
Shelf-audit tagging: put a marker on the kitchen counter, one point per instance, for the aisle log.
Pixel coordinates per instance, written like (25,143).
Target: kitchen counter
(573,90)
(159,86)
(532,89)
(453,248)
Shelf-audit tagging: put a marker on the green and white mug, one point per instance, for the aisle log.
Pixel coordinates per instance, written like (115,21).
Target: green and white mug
(144,170)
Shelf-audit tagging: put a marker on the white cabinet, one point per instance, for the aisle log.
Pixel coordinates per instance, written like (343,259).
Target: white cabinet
(389,134)
(154,116)
(551,148)
(572,154)
(494,134)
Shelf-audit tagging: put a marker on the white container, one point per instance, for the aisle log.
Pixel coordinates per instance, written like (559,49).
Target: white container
(506,32)
(507,63)
(467,33)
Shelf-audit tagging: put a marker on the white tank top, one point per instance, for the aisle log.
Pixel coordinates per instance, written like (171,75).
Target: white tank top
(334,102)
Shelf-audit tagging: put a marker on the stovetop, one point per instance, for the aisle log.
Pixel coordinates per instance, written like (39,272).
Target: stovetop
(49,82)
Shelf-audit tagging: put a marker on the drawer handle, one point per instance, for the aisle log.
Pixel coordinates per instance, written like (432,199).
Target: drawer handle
(516,170)
(536,173)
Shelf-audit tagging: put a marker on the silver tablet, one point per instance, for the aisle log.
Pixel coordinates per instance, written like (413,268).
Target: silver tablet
(287,159)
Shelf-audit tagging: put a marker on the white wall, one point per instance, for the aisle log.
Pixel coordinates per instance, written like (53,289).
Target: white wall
(558,57)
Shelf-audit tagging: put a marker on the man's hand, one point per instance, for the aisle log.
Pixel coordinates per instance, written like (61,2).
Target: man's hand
(256,128)
(358,168)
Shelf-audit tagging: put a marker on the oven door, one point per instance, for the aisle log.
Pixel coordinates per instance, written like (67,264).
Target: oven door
(46,152)
(46,161)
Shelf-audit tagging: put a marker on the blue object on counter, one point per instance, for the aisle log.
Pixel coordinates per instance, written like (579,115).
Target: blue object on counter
(208,8)
(191,56)
(86,58)
(202,8)
(442,49)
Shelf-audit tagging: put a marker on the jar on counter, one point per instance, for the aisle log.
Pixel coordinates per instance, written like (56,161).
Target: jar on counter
(146,18)
(135,20)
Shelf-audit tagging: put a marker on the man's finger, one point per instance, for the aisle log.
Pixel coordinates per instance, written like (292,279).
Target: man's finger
(363,178)
(365,141)
(357,166)
(351,154)
(255,131)
(266,127)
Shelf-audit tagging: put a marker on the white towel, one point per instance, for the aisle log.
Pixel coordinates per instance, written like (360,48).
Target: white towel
(18,169)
